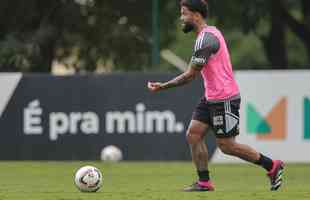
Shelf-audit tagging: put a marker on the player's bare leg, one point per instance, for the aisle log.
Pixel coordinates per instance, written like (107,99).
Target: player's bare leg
(199,153)
(195,138)
(274,167)
(231,147)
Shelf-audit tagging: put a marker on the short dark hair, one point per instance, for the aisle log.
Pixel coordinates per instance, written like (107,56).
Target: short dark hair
(200,6)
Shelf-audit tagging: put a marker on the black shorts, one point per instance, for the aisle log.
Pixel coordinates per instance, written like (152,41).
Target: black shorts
(223,116)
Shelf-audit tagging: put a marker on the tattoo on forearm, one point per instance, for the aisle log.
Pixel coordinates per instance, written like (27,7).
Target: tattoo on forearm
(179,80)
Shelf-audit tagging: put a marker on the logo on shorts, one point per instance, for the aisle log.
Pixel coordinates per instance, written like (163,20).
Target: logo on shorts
(218,120)
(271,127)
(220,131)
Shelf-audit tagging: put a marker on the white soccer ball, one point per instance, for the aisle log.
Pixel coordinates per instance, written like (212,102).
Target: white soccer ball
(111,153)
(88,179)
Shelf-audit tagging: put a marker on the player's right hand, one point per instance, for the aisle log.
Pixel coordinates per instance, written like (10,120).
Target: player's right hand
(154,86)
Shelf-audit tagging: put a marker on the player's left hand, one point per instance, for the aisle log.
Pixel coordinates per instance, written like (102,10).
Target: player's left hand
(154,86)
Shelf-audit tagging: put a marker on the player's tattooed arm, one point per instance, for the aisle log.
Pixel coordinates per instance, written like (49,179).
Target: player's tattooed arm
(184,78)
(205,47)
(191,73)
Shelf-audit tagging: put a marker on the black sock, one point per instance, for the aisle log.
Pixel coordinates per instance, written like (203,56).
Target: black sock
(203,175)
(265,162)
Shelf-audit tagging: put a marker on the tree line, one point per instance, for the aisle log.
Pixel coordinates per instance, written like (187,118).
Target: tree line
(117,35)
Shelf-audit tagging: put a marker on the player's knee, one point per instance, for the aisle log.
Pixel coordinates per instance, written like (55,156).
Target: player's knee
(193,138)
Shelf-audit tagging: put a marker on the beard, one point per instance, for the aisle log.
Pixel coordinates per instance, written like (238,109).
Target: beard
(188,27)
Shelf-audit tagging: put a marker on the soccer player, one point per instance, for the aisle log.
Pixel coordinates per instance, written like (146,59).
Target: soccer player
(219,107)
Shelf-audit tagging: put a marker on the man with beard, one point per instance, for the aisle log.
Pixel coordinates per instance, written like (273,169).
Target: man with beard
(219,107)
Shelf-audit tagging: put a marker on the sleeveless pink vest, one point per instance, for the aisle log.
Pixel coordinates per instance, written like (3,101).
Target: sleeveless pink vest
(217,74)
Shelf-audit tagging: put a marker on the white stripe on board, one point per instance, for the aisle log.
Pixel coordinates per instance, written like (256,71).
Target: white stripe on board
(8,84)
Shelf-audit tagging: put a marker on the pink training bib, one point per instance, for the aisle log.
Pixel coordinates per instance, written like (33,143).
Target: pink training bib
(218,76)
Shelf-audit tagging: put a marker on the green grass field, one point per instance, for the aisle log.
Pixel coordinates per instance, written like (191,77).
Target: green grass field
(147,181)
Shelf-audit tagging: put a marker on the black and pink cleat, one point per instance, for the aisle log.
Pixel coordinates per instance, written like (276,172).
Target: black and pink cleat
(205,186)
(275,174)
